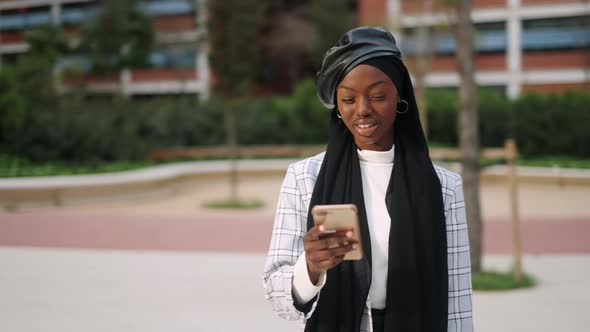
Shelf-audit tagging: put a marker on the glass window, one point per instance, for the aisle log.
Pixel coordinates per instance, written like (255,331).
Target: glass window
(169,7)
(11,21)
(489,37)
(23,19)
(180,57)
(79,62)
(78,13)
(444,43)
(556,33)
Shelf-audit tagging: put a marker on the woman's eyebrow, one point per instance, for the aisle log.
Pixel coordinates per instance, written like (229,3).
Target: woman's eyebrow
(345,87)
(372,85)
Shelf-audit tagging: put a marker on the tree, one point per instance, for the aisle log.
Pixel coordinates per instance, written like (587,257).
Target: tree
(119,37)
(12,110)
(28,87)
(235,36)
(35,71)
(332,18)
(468,128)
(289,43)
(424,52)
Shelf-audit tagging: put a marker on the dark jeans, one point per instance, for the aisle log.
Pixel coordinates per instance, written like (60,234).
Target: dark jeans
(378,319)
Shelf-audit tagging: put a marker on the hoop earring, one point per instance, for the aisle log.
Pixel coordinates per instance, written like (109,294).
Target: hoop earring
(404,111)
(338,115)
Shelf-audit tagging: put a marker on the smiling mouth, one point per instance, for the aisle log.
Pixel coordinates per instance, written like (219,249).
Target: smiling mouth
(366,129)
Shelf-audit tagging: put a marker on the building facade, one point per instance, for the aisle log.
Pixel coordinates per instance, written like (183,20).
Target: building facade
(178,63)
(521,45)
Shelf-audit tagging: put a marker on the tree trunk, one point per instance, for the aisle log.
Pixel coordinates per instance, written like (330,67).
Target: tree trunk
(468,129)
(424,53)
(232,142)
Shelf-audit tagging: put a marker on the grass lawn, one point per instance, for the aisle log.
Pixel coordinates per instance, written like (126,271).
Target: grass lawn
(562,162)
(498,281)
(11,167)
(234,204)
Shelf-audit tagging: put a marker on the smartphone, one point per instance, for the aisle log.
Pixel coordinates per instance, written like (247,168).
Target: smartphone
(340,217)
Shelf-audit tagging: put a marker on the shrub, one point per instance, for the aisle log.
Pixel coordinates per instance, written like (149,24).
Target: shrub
(298,119)
(89,131)
(553,124)
(442,108)
(494,118)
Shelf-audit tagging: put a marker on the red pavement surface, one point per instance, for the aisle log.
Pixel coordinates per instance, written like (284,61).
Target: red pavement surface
(235,234)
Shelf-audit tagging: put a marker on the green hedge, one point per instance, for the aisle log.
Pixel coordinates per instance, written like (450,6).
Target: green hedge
(79,130)
(299,119)
(92,131)
(553,124)
(494,117)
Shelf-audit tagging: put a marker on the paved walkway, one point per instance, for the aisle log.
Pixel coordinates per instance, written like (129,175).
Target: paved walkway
(54,228)
(164,263)
(52,290)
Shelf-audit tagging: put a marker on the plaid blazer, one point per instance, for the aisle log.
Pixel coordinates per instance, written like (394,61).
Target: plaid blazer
(290,226)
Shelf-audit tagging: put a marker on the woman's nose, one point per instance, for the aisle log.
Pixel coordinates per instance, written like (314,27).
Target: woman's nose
(364,107)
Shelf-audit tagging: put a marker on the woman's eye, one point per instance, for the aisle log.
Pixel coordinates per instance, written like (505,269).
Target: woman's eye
(378,97)
(348,100)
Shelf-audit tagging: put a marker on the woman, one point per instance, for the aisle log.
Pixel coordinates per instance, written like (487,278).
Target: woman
(415,275)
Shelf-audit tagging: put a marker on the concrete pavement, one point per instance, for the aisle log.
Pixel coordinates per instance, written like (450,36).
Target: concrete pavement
(237,233)
(185,268)
(60,290)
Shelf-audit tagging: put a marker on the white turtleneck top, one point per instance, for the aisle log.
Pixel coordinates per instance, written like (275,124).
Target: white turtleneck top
(376,167)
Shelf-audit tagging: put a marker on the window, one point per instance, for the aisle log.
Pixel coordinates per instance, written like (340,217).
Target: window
(74,14)
(24,18)
(489,38)
(179,57)
(78,62)
(556,33)
(167,7)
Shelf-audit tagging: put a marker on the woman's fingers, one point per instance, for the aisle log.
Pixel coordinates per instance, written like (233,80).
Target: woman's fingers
(319,257)
(325,249)
(314,233)
(328,241)
(330,263)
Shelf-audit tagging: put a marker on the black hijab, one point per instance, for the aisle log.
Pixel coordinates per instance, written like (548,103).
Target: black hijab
(417,289)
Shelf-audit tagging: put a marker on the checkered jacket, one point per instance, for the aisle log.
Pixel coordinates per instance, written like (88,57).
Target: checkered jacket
(290,225)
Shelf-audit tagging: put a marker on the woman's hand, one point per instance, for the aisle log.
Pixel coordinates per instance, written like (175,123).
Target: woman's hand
(325,249)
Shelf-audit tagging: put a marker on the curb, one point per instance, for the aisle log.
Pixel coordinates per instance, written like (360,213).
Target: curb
(59,190)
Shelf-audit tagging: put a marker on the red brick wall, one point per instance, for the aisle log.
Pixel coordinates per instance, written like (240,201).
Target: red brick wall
(556,88)
(76,79)
(489,3)
(548,2)
(556,59)
(174,23)
(163,74)
(417,6)
(11,36)
(72,31)
(372,12)
(484,62)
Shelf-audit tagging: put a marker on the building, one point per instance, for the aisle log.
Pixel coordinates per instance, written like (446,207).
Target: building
(521,45)
(179,60)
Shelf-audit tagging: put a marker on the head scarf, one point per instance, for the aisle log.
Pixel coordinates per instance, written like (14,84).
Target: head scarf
(417,298)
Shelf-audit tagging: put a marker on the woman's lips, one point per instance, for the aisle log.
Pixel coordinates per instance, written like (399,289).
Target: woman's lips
(365,129)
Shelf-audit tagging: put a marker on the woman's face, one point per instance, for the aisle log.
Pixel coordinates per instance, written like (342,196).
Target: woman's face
(367,100)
